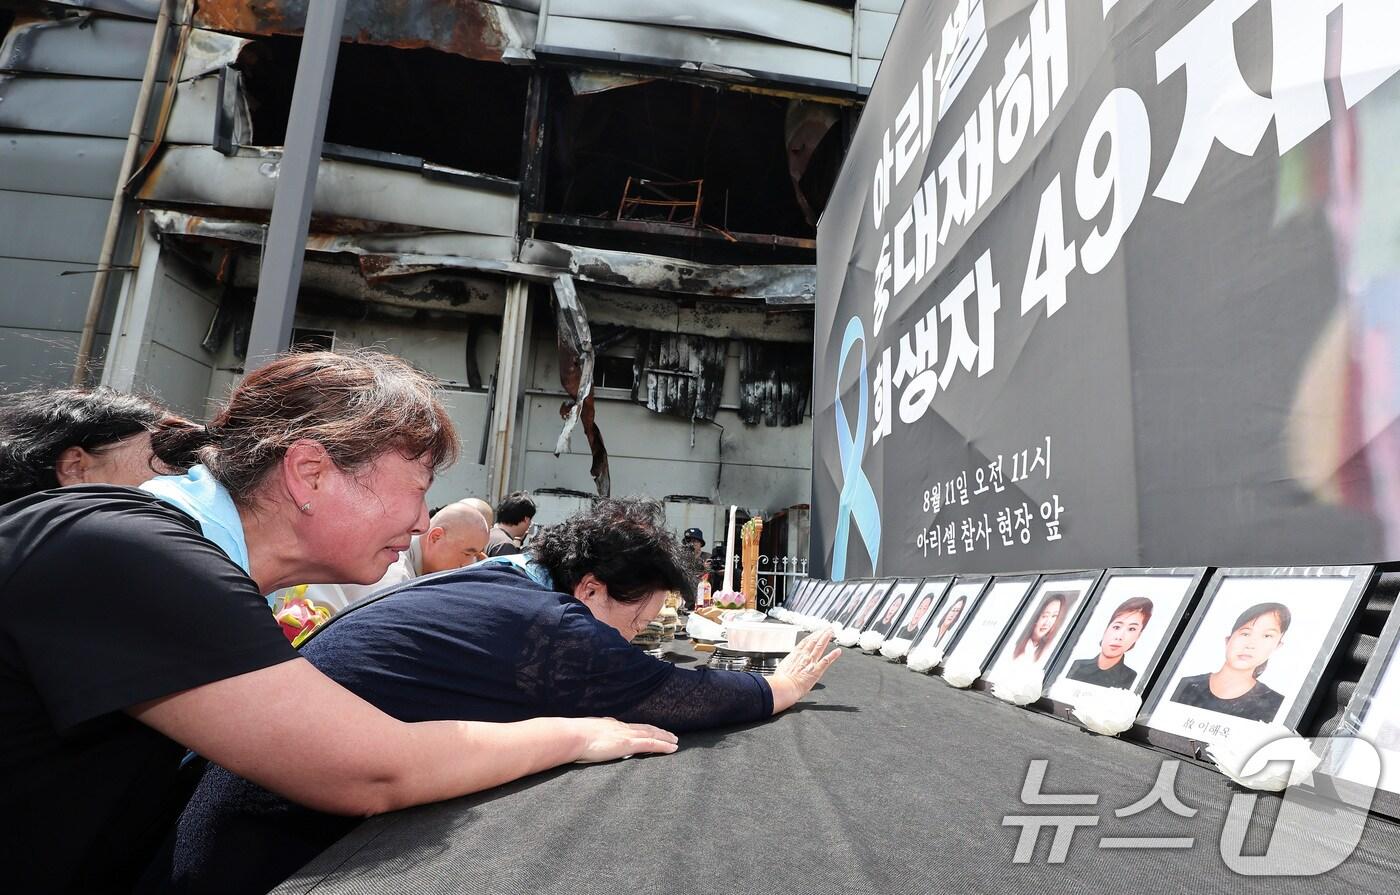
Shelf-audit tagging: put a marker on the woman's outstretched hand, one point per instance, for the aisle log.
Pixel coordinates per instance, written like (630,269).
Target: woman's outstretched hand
(800,670)
(605,739)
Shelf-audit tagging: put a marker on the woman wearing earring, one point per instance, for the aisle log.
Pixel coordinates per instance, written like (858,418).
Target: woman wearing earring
(1235,689)
(133,628)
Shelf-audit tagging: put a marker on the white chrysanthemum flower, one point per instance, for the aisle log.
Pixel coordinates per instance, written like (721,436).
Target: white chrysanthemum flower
(925,658)
(871,641)
(1019,683)
(895,649)
(1265,757)
(1108,710)
(848,636)
(961,673)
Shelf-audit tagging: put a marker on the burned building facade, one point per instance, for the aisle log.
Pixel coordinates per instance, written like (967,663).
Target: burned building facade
(594,220)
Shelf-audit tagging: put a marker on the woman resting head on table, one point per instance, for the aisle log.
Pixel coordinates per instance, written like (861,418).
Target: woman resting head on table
(507,639)
(133,628)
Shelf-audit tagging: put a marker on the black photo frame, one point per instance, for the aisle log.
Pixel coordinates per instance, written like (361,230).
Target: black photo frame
(967,590)
(1183,713)
(914,592)
(1069,591)
(1115,588)
(986,629)
(874,604)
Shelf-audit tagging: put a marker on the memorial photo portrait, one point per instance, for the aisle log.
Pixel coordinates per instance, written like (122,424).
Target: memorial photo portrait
(1255,653)
(997,611)
(952,613)
(1043,623)
(839,599)
(1123,634)
(919,609)
(855,602)
(872,606)
(896,606)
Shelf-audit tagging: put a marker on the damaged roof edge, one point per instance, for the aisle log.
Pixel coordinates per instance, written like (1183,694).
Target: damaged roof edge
(775,285)
(657,65)
(787,284)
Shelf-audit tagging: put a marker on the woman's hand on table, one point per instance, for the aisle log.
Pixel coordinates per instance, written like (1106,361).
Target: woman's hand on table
(605,739)
(800,670)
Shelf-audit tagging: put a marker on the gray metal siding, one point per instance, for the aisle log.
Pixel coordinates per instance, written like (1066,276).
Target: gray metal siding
(66,99)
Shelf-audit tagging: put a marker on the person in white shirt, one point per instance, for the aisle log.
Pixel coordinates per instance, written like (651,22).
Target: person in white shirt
(456,537)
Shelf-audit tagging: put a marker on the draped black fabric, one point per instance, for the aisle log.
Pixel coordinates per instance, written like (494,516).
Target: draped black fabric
(882,781)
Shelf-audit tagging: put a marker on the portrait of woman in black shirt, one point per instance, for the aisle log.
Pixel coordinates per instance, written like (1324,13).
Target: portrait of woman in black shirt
(1108,668)
(1235,688)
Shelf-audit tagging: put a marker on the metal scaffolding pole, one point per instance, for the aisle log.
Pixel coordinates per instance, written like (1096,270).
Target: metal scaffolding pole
(285,245)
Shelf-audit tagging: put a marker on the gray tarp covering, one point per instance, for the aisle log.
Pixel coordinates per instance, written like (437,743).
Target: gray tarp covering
(1115,284)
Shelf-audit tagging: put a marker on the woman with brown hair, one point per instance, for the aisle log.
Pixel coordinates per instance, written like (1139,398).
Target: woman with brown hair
(1040,634)
(315,471)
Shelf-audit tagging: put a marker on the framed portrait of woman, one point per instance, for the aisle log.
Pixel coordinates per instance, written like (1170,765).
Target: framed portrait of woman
(1123,633)
(1045,621)
(853,602)
(918,599)
(1254,652)
(983,633)
(873,610)
(952,613)
(823,600)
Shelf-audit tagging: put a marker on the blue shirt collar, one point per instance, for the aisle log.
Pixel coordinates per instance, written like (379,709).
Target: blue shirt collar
(199,494)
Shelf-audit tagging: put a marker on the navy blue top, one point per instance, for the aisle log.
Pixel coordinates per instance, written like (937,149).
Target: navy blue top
(485,643)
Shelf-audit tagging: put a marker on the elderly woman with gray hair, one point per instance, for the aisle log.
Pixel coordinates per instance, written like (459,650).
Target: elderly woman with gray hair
(133,628)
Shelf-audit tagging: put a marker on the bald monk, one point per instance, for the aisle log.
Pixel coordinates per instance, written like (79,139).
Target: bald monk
(483,508)
(456,537)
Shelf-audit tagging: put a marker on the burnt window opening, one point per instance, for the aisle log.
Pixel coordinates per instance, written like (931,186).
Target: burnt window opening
(738,143)
(419,103)
(612,371)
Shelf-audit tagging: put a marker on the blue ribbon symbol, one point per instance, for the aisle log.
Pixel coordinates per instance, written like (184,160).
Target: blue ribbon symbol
(857,497)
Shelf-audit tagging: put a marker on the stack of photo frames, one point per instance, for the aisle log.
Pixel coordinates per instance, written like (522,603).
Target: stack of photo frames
(1203,658)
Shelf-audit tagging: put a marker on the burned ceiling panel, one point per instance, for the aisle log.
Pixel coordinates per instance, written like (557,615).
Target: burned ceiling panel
(470,28)
(194,175)
(773,284)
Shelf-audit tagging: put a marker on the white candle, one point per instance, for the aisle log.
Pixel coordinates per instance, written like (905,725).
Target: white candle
(729,552)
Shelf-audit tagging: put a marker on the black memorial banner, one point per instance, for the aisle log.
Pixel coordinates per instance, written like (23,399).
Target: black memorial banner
(1114,283)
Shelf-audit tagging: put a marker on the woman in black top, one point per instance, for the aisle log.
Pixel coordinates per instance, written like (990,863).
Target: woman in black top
(1125,626)
(1235,689)
(133,627)
(506,639)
